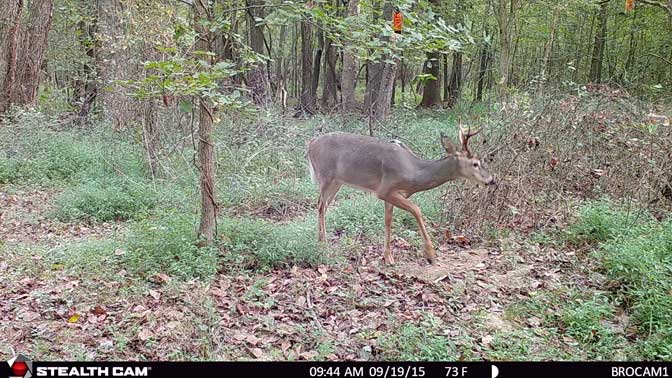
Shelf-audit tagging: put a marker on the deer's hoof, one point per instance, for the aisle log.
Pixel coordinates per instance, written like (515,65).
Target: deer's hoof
(432,261)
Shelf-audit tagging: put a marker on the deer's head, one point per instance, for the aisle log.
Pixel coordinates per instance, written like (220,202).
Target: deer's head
(468,166)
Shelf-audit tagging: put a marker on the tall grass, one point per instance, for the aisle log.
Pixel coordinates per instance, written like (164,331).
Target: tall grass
(636,253)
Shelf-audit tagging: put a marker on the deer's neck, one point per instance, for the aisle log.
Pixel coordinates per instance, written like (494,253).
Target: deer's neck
(432,173)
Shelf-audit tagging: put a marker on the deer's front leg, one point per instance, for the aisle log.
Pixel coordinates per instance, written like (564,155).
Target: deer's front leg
(401,202)
(387,254)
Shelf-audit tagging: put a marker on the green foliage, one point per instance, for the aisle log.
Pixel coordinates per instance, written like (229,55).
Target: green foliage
(641,262)
(361,215)
(264,244)
(586,322)
(106,200)
(47,157)
(418,342)
(602,220)
(87,257)
(33,153)
(635,251)
(168,244)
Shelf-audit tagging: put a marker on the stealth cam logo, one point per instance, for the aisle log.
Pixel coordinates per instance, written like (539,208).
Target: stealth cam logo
(21,367)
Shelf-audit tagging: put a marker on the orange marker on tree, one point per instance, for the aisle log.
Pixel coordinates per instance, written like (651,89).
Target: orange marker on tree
(397,20)
(629,4)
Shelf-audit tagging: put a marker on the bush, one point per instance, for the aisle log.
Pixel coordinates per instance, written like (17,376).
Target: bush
(86,257)
(636,252)
(602,220)
(264,244)
(106,200)
(642,263)
(33,152)
(48,157)
(168,244)
(361,215)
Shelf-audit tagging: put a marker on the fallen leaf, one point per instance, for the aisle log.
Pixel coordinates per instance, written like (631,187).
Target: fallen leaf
(74,318)
(309,355)
(98,310)
(256,352)
(119,252)
(252,339)
(162,278)
(144,334)
(155,294)
(486,340)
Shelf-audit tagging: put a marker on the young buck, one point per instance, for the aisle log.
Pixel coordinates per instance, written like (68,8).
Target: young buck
(391,171)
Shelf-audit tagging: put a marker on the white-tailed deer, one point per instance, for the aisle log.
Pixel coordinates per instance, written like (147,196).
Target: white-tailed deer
(391,171)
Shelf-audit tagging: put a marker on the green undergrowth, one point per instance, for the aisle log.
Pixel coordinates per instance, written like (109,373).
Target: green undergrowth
(635,252)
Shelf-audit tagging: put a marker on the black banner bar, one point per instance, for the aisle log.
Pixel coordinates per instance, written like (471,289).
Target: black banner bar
(343,369)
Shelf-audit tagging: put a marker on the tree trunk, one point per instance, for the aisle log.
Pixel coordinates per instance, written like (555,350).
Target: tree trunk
(31,53)
(257,77)
(446,77)
(384,100)
(329,90)
(374,70)
(317,64)
(632,46)
(548,50)
(14,20)
(280,88)
(598,47)
(150,135)
(87,89)
(455,83)
(307,101)
(506,13)
(431,95)
(208,224)
(113,64)
(482,69)
(350,68)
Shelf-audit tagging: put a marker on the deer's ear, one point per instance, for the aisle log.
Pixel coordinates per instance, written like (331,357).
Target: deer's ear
(448,144)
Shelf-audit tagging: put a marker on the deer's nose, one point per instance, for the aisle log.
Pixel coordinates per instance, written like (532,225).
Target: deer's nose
(493,183)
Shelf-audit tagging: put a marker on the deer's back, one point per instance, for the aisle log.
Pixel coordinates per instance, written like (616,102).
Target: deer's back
(357,160)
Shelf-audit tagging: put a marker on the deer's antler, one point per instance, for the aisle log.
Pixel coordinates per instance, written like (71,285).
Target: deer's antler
(465,139)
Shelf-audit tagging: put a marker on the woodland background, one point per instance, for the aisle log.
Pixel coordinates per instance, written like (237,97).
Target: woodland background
(156,202)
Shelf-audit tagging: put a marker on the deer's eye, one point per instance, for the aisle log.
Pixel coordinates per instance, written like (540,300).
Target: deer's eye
(475,165)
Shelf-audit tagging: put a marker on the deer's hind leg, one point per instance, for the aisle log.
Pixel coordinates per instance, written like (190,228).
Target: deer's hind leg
(387,254)
(328,191)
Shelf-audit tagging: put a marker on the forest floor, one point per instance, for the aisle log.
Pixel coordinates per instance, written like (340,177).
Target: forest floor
(459,308)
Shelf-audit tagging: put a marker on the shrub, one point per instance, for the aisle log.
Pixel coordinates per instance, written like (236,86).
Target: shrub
(602,220)
(642,263)
(361,215)
(106,200)
(264,244)
(168,244)
(636,252)
(92,257)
